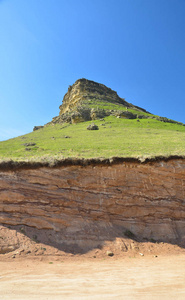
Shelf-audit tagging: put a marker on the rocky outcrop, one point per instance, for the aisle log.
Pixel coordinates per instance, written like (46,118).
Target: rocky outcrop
(84,89)
(37,128)
(84,99)
(97,202)
(88,100)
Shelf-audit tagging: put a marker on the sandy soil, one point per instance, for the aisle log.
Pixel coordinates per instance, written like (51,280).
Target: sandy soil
(31,270)
(134,277)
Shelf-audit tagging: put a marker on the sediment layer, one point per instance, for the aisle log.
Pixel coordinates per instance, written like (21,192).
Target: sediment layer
(100,201)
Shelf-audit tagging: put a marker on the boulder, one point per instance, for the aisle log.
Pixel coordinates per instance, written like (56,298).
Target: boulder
(92,127)
(37,127)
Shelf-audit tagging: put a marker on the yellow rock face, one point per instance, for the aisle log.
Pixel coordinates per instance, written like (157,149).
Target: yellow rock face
(84,89)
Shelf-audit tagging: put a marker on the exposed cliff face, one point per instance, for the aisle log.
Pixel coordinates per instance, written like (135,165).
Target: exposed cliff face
(95,203)
(84,101)
(84,89)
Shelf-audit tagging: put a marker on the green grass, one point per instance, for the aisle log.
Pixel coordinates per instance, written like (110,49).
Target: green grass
(116,137)
(111,106)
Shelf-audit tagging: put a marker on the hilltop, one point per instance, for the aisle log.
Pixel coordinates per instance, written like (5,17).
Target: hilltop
(94,122)
(87,100)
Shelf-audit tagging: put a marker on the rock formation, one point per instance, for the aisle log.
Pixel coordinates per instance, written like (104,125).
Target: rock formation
(87,100)
(84,89)
(88,204)
(80,103)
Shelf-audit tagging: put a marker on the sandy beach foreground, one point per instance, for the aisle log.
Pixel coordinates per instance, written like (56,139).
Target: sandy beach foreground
(139,277)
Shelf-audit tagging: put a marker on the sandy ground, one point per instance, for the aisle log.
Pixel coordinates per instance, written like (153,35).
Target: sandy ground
(31,270)
(138,277)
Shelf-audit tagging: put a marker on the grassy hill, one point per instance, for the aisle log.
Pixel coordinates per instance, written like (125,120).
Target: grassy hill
(143,136)
(115,137)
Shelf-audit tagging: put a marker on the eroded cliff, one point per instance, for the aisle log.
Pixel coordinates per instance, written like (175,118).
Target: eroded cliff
(84,89)
(89,100)
(89,204)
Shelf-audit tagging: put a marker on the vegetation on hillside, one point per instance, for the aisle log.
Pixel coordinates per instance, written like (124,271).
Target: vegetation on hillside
(116,137)
(94,122)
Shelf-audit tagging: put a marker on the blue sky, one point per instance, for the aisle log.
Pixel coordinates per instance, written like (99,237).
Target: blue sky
(136,47)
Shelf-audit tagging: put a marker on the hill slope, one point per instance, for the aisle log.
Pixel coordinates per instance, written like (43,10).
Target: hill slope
(122,129)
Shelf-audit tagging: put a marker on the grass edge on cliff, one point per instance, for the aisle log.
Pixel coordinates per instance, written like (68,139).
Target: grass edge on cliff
(116,137)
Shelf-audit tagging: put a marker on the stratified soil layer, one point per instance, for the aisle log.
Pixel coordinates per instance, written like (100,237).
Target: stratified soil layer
(78,208)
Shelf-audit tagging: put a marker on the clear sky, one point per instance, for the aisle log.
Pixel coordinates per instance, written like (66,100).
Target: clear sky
(136,47)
